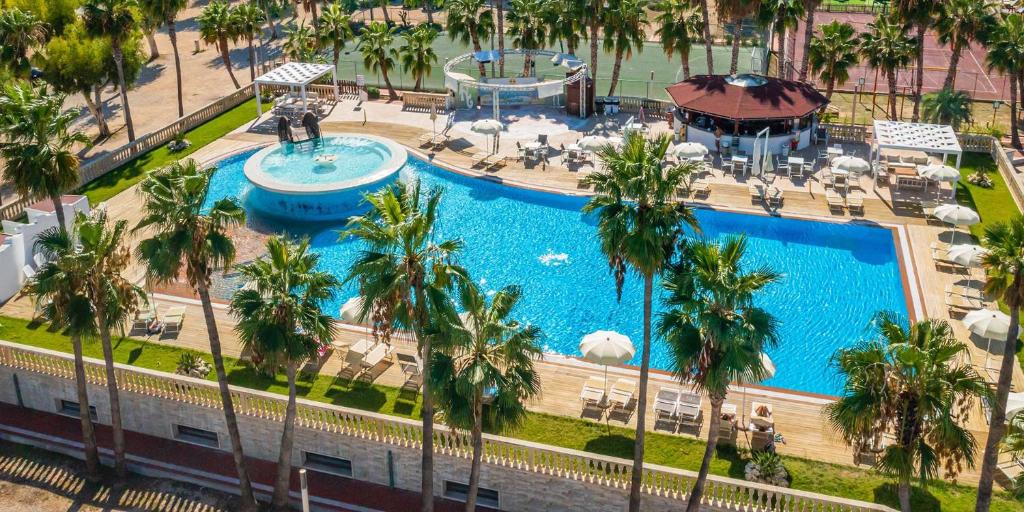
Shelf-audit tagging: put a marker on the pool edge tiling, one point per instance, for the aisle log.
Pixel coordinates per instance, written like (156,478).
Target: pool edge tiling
(837,274)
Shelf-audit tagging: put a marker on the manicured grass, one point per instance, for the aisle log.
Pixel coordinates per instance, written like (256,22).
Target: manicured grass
(114,182)
(663,449)
(992,204)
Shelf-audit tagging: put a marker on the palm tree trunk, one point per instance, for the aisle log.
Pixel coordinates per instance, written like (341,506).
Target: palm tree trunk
(780,30)
(419,80)
(154,52)
(893,115)
(707,36)
(226,57)
(737,33)
(685,57)
(313,9)
(637,477)
(595,21)
(270,22)
(172,32)
(97,113)
(428,9)
(919,78)
(997,425)
(693,505)
(476,48)
(501,36)
(616,69)
(1014,130)
(829,88)
(120,468)
(92,455)
(808,36)
(284,457)
(244,484)
(252,61)
(392,95)
(384,9)
(58,209)
(123,89)
(903,493)
(954,60)
(478,446)
(427,410)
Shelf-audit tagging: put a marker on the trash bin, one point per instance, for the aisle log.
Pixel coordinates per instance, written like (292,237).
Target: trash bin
(599,105)
(611,105)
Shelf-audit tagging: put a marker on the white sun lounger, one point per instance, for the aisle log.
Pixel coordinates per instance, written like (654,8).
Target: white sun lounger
(665,404)
(621,394)
(376,355)
(689,407)
(592,393)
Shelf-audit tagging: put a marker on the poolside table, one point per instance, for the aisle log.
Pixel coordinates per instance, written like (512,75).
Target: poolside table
(742,160)
(833,152)
(796,162)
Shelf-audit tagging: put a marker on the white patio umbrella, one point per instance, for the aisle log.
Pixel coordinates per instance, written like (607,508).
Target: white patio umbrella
(607,348)
(989,324)
(592,142)
(940,173)
(490,127)
(851,164)
(968,255)
(689,150)
(956,215)
(350,310)
(769,368)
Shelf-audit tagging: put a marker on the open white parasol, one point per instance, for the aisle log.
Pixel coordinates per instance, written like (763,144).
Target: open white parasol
(607,348)
(851,164)
(592,143)
(686,150)
(351,310)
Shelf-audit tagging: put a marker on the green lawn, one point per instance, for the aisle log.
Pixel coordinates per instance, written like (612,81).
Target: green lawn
(112,183)
(992,204)
(667,450)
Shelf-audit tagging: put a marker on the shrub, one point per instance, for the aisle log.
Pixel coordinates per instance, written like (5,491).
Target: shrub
(372,92)
(766,467)
(192,365)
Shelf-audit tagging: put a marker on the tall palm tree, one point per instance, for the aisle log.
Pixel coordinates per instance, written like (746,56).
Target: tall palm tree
(485,360)
(810,7)
(1006,55)
(376,43)
(909,383)
(37,144)
(947,107)
(595,19)
(334,29)
(705,14)
(639,223)
(268,6)
(959,23)
(735,11)
(188,239)
(499,30)
(528,29)
(217,26)
(310,7)
(781,16)
(58,285)
(1004,272)
(624,32)
(20,31)
(887,48)
(167,10)
(833,53)
(301,43)
(715,333)
(417,52)
(920,15)
(404,277)
(117,21)
(565,23)
(679,25)
(469,21)
(280,317)
(248,20)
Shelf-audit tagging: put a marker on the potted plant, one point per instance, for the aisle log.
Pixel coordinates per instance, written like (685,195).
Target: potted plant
(766,467)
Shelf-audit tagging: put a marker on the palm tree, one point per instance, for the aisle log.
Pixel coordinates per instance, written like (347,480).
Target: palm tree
(469,21)
(58,285)
(1006,55)
(834,53)
(526,23)
(810,6)
(334,29)
(417,53)
(595,19)
(267,6)
(404,277)
(1004,271)
(705,14)
(638,225)
(715,333)
(301,43)
(565,23)
(909,383)
(310,7)
(485,359)
(919,14)
(782,16)
(113,298)
(167,10)
(280,317)
(186,238)
(679,25)
(735,11)
(216,26)
(624,32)
(376,43)
(959,23)
(248,21)
(947,107)
(115,20)
(886,47)
(20,31)
(37,145)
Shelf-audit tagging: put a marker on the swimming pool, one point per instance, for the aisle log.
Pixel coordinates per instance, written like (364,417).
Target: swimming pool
(836,276)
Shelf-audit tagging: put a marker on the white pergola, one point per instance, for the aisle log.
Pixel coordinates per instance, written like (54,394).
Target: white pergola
(930,138)
(295,74)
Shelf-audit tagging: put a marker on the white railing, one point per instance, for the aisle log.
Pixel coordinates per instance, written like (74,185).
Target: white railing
(721,493)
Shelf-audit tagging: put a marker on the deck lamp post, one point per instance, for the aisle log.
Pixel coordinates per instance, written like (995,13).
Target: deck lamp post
(995,108)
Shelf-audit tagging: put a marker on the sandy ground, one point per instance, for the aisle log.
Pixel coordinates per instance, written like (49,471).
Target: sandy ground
(39,481)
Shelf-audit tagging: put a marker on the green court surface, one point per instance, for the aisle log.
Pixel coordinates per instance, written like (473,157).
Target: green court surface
(635,78)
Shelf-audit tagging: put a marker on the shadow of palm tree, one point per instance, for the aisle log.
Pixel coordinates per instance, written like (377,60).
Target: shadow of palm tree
(920,499)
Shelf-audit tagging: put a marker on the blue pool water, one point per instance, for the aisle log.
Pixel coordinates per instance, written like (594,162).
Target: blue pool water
(836,276)
(344,158)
